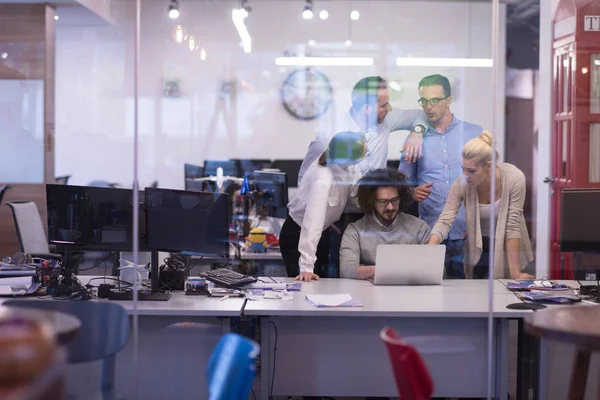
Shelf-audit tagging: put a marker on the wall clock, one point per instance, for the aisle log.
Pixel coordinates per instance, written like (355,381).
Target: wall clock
(306,94)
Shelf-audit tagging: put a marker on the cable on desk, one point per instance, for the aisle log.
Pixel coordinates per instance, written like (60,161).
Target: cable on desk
(274,359)
(243,307)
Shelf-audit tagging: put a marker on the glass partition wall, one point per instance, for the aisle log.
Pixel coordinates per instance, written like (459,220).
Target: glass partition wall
(283,129)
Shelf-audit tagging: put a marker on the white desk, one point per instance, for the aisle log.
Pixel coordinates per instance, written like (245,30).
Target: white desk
(321,350)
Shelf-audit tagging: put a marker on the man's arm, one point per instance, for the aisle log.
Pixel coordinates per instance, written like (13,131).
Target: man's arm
(314,220)
(409,169)
(409,120)
(350,256)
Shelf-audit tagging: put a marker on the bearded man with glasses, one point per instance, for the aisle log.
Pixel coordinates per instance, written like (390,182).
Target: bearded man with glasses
(440,164)
(382,195)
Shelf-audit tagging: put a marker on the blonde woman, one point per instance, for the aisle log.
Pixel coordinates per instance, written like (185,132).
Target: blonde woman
(512,248)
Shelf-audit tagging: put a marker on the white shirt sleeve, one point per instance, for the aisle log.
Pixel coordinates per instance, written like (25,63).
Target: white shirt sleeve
(315,149)
(314,218)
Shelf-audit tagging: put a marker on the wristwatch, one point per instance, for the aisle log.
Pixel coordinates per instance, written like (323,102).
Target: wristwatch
(419,129)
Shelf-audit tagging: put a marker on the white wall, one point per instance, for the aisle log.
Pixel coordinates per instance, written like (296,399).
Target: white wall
(95,73)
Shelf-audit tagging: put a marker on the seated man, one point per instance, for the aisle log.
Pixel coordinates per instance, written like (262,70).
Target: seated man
(382,195)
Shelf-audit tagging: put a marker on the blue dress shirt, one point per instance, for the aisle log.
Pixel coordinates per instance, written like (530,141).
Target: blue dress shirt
(440,163)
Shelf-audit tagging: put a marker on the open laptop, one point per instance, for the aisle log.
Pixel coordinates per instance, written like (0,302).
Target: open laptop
(409,264)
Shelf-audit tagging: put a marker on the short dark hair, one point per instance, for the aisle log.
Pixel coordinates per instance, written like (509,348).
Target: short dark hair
(437,80)
(368,185)
(365,91)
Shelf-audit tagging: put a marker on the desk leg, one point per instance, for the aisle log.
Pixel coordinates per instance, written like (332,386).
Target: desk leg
(501,364)
(542,370)
(265,358)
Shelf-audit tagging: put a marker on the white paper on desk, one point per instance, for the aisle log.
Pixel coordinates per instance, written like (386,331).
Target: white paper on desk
(15,286)
(333,300)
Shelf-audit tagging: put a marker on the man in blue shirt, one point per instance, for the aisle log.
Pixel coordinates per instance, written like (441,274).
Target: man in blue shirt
(440,164)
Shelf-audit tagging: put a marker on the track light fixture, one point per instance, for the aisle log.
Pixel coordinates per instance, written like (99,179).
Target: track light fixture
(307,12)
(174,9)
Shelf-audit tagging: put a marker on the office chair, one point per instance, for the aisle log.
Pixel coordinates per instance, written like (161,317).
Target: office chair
(231,368)
(30,231)
(412,376)
(104,332)
(62,180)
(3,190)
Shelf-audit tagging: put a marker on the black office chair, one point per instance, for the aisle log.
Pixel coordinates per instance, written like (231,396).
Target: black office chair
(3,190)
(104,333)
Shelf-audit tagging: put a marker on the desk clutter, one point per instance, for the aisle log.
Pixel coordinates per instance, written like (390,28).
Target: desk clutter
(544,290)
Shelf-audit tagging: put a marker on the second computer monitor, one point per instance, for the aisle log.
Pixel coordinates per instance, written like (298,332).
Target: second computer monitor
(187,222)
(191,171)
(271,192)
(291,168)
(230,168)
(579,220)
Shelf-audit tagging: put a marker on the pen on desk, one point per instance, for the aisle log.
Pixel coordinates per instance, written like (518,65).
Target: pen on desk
(224,297)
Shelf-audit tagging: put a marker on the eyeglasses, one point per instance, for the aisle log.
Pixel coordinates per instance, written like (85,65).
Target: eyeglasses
(384,202)
(423,102)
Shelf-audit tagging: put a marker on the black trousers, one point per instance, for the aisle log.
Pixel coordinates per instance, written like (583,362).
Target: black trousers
(482,269)
(289,237)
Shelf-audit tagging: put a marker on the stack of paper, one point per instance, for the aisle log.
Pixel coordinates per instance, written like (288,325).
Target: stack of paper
(333,300)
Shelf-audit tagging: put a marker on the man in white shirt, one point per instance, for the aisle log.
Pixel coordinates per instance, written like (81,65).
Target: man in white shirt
(372,114)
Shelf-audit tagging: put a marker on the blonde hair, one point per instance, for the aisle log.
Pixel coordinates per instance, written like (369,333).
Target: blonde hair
(480,149)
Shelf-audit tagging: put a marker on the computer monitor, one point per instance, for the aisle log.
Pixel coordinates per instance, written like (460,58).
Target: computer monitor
(191,171)
(579,220)
(249,166)
(230,168)
(187,222)
(93,218)
(291,168)
(195,186)
(271,192)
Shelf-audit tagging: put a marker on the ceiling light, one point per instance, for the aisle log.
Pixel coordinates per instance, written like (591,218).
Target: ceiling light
(56,17)
(174,9)
(192,43)
(348,42)
(596,62)
(323,61)
(179,34)
(443,62)
(4,56)
(323,14)
(312,43)
(354,15)
(307,12)
(203,54)
(237,15)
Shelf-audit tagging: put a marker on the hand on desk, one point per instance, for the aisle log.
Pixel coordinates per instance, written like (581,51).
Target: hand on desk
(524,276)
(307,277)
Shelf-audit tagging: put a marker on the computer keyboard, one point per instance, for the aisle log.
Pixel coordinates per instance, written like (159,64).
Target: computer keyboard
(226,278)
